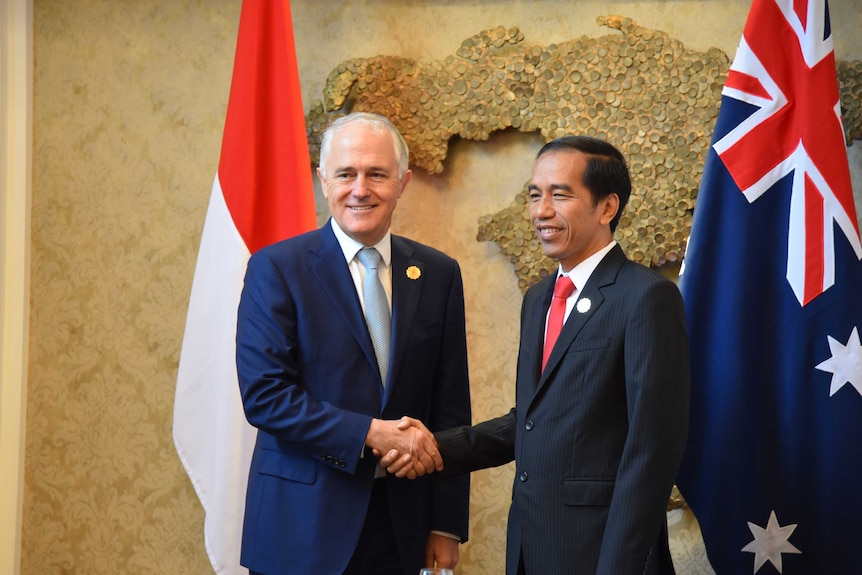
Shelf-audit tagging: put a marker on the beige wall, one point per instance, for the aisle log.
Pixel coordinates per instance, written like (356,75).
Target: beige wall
(129,105)
(16,79)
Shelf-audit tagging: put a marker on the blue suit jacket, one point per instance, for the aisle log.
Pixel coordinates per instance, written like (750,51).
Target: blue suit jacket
(597,437)
(310,385)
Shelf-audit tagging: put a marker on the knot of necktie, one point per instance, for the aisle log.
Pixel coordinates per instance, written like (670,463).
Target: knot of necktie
(369,258)
(564,287)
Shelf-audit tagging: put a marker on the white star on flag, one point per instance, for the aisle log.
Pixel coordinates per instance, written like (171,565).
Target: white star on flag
(845,363)
(770,543)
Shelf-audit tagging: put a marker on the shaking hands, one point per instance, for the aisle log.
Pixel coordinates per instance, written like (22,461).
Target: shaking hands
(408,449)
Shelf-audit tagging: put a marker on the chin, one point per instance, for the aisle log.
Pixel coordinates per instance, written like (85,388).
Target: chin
(549,251)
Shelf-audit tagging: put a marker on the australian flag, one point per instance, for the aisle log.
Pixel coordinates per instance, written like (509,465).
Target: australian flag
(773,291)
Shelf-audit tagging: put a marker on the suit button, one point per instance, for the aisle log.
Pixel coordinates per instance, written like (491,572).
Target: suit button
(529,425)
(524,476)
(341,463)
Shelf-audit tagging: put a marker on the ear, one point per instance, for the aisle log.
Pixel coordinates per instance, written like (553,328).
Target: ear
(405,179)
(611,206)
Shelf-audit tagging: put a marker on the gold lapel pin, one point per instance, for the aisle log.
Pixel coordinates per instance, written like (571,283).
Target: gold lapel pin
(414,273)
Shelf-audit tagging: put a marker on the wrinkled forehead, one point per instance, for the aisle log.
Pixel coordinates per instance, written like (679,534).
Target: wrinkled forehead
(359,144)
(365,152)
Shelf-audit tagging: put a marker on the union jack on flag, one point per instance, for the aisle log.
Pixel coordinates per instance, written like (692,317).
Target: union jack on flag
(772,284)
(785,68)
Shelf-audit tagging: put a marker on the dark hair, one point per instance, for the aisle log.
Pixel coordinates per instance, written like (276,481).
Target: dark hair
(606,172)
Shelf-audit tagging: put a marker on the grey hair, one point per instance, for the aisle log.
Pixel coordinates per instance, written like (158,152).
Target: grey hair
(376,121)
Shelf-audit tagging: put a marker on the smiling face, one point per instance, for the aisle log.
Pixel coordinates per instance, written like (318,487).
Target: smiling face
(570,224)
(361,182)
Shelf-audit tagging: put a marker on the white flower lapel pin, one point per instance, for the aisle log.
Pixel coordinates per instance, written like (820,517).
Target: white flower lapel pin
(583,305)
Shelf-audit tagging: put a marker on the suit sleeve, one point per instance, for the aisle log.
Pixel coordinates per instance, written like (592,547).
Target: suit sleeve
(451,407)
(275,397)
(657,394)
(470,448)
(488,444)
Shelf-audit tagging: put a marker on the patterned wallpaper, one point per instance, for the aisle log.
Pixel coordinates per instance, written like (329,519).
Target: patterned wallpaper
(129,105)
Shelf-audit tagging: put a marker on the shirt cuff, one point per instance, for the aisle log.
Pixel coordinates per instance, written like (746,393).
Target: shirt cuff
(449,535)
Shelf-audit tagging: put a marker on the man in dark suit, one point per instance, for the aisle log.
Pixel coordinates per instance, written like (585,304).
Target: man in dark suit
(324,391)
(601,415)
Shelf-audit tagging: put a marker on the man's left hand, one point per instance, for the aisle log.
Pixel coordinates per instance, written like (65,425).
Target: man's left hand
(441,551)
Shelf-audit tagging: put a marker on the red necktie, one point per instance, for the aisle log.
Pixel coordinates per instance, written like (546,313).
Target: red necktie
(562,290)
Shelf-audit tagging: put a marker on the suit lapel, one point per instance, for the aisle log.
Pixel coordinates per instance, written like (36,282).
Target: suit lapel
(406,288)
(326,263)
(536,315)
(589,300)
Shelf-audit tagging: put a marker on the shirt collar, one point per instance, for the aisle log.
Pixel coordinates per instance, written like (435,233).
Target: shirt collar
(582,272)
(351,247)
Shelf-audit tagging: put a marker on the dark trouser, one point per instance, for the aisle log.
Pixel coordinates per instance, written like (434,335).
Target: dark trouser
(376,552)
(521,570)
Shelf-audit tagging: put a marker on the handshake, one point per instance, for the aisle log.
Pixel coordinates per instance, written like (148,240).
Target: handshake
(405,446)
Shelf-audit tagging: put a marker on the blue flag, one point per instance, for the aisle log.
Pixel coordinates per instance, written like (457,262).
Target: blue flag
(772,283)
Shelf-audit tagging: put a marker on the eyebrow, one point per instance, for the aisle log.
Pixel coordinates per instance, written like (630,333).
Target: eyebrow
(554,187)
(365,170)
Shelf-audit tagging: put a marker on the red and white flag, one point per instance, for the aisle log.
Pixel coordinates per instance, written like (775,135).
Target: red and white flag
(262,193)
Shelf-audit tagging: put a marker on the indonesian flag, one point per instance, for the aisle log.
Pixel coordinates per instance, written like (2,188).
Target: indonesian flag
(262,193)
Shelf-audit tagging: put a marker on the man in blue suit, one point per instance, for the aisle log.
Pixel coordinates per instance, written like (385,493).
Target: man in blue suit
(601,414)
(325,392)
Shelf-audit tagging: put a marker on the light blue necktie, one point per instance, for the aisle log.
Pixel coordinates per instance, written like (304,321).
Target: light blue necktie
(377,314)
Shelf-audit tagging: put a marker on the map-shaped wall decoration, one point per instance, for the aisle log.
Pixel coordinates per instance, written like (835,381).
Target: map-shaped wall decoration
(637,88)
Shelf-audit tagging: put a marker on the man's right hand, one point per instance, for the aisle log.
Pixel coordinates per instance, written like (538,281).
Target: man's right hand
(410,449)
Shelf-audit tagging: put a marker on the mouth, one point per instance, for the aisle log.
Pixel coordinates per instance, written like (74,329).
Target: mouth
(360,208)
(547,232)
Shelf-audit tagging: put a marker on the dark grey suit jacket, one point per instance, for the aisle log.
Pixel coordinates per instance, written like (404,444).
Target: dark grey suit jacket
(598,436)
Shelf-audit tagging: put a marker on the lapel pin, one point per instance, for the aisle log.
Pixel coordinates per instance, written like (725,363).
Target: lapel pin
(413,273)
(583,305)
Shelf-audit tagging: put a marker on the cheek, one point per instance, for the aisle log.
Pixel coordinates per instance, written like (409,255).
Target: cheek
(330,199)
(338,196)
(390,197)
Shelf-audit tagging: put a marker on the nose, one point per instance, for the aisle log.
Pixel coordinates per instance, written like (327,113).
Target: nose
(361,186)
(542,207)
